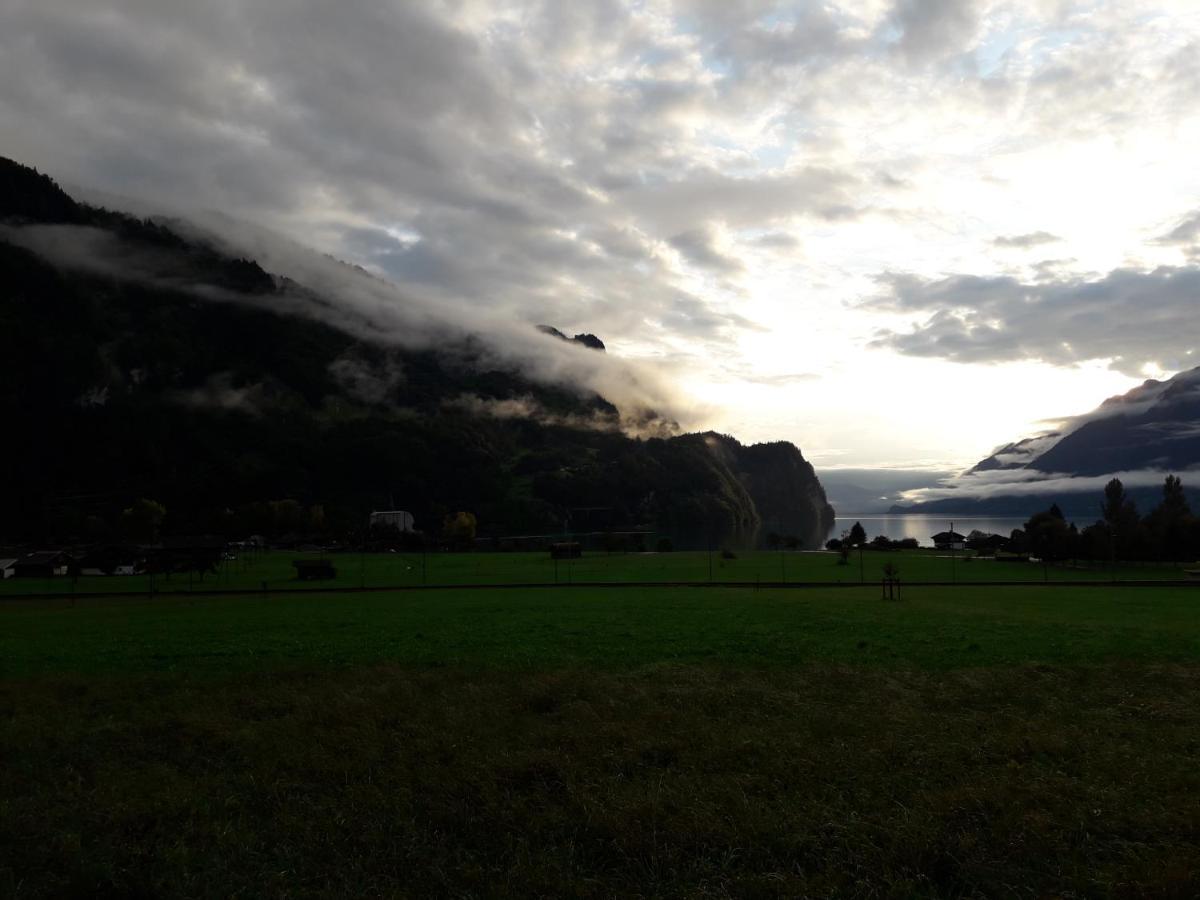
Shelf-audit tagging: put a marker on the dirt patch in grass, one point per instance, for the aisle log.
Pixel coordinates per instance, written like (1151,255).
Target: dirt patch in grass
(661,781)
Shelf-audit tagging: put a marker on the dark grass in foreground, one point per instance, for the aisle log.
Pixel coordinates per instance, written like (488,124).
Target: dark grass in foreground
(1026,742)
(671,781)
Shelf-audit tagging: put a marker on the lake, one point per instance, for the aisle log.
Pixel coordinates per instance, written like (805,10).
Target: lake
(922,527)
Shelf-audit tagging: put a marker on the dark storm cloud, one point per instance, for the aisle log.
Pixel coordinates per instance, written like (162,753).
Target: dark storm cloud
(1131,317)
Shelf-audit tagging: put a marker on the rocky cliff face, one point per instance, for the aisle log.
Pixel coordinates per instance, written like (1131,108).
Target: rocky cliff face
(787,495)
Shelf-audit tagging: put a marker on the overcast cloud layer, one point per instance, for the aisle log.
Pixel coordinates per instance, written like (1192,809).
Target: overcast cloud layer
(719,189)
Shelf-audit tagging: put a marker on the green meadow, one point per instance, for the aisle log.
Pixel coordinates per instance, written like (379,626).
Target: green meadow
(931,628)
(1028,741)
(274,570)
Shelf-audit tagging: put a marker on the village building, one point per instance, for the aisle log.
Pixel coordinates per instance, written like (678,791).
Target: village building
(949,540)
(42,564)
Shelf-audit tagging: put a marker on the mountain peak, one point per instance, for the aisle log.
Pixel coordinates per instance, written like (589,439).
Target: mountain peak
(587,340)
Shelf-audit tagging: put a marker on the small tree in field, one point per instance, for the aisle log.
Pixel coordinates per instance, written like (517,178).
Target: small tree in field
(891,581)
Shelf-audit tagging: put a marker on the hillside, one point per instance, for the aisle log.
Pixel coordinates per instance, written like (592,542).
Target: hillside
(138,360)
(1140,435)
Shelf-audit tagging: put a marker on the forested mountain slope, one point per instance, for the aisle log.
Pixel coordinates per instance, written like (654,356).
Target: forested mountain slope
(195,384)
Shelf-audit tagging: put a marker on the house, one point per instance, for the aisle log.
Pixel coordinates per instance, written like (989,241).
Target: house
(949,540)
(6,567)
(396,518)
(42,564)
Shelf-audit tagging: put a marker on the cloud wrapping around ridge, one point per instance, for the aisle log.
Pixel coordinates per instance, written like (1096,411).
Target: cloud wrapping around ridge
(370,308)
(1024,483)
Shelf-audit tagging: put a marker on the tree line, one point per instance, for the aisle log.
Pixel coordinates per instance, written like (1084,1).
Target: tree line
(1170,532)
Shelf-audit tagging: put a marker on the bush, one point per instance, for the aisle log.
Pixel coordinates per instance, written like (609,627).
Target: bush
(726,553)
(664,545)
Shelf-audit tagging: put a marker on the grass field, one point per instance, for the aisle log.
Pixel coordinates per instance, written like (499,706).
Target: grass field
(659,742)
(274,569)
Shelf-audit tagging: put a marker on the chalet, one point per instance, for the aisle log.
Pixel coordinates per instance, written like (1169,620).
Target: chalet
(42,564)
(949,540)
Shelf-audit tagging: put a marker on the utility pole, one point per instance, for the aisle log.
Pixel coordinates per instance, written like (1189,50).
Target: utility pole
(953,571)
(710,543)
(782,558)
(1113,542)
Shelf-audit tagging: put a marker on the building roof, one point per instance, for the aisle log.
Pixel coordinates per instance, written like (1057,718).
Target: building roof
(943,537)
(42,558)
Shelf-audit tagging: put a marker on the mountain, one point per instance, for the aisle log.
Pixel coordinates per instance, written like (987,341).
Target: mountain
(1141,436)
(139,359)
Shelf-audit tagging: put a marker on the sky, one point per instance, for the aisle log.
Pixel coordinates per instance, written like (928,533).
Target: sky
(894,232)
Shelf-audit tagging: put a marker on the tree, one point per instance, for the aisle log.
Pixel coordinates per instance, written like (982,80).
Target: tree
(1174,499)
(858,535)
(141,521)
(1121,516)
(1169,523)
(1048,535)
(1118,510)
(459,529)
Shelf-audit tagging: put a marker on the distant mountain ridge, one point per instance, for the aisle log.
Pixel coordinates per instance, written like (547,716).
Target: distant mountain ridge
(167,386)
(1153,428)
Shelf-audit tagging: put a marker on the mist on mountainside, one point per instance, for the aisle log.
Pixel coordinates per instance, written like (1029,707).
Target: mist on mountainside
(151,361)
